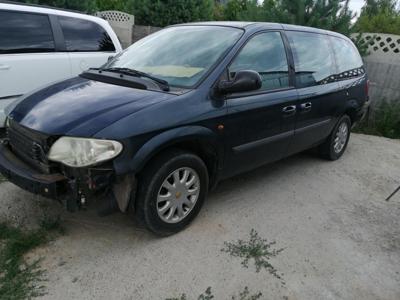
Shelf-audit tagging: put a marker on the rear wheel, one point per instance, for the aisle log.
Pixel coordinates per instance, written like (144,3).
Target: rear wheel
(335,145)
(171,191)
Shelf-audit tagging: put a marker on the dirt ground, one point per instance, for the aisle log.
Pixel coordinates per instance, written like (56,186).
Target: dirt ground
(341,239)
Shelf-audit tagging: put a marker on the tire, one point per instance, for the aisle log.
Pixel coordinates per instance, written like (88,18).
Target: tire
(330,149)
(150,203)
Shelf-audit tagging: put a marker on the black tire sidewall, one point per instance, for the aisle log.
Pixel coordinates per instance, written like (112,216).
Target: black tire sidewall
(155,180)
(332,153)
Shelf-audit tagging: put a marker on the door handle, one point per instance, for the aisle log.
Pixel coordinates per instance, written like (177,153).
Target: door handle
(4,67)
(305,106)
(289,110)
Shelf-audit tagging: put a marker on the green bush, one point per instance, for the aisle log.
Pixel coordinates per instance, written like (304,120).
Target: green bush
(385,121)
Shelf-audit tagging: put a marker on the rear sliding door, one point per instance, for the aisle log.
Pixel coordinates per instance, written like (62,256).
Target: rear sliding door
(318,91)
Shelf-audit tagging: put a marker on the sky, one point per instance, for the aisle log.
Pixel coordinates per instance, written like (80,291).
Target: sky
(355,6)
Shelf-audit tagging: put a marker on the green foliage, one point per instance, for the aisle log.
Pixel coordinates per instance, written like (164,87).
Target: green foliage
(167,12)
(380,16)
(88,6)
(207,295)
(257,249)
(245,295)
(361,44)
(385,121)
(18,278)
(120,5)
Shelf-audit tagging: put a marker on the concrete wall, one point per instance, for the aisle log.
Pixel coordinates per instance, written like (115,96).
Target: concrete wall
(122,24)
(383,66)
(139,31)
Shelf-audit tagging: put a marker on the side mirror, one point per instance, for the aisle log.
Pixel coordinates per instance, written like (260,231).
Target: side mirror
(244,81)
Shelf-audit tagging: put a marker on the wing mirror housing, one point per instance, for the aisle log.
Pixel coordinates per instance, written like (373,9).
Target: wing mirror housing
(244,81)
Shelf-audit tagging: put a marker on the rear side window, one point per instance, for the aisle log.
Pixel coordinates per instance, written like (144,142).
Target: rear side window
(25,33)
(313,58)
(348,61)
(83,36)
(264,53)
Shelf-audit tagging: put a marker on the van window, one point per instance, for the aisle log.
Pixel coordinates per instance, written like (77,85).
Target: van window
(264,53)
(313,58)
(25,33)
(349,62)
(84,36)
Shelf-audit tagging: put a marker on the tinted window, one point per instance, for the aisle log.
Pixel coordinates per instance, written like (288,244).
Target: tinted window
(313,59)
(82,35)
(25,33)
(349,62)
(264,53)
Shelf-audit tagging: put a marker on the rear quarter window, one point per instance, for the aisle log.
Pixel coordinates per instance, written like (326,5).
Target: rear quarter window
(348,60)
(84,36)
(25,33)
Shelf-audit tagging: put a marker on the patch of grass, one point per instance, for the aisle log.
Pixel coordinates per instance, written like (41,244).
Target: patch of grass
(18,278)
(207,295)
(385,121)
(256,249)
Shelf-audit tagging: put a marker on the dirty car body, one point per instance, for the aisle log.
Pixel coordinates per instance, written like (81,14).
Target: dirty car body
(190,89)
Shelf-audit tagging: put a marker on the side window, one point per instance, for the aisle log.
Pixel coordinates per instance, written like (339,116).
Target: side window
(84,36)
(313,59)
(264,53)
(349,62)
(25,33)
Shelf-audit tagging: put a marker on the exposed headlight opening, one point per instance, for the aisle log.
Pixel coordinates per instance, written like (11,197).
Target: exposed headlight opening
(82,152)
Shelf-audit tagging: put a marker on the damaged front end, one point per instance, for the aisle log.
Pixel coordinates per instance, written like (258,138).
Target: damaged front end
(24,161)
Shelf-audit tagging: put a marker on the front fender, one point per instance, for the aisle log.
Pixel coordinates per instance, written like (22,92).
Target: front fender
(166,139)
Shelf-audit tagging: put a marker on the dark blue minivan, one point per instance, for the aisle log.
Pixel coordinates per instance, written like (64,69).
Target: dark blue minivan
(153,130)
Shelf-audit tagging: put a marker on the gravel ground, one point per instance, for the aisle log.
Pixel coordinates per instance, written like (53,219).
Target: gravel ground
(341,239)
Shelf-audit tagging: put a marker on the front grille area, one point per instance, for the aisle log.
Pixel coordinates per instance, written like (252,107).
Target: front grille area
(31,146)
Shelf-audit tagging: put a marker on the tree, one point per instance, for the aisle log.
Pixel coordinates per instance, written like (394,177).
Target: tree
(327,14)
(167,12)
(87,6)
(380,16)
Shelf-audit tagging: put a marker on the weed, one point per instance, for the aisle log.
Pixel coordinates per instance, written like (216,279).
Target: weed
(245,295)
(385,121)
(207,295)
(18,278)
(257,249)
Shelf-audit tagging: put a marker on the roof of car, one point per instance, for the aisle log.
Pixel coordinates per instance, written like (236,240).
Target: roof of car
(264,26)
(34,8)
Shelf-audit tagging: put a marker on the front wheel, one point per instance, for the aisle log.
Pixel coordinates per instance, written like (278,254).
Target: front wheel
(335,145)
(171,191)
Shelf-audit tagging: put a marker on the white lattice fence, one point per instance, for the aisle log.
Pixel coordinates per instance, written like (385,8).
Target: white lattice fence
(382,43)
(383,66)
(122,24)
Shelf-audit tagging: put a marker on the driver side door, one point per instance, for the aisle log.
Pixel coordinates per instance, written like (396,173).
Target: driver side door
(260,124)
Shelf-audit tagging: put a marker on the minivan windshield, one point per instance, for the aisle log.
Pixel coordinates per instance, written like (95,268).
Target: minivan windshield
(179,55)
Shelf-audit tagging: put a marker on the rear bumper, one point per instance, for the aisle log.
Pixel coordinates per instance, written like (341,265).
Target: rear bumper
(16,171)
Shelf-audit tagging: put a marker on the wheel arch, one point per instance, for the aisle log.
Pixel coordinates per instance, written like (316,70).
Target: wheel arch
(196,139)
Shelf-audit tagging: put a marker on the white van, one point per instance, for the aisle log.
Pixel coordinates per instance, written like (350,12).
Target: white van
(40,45)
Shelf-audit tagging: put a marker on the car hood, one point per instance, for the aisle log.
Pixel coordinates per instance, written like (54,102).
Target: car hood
(81,107)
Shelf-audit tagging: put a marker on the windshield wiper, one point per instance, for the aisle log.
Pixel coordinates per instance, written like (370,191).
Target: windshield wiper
(163,84)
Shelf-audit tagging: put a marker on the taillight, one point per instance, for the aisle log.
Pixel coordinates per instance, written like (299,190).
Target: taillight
(367,88)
